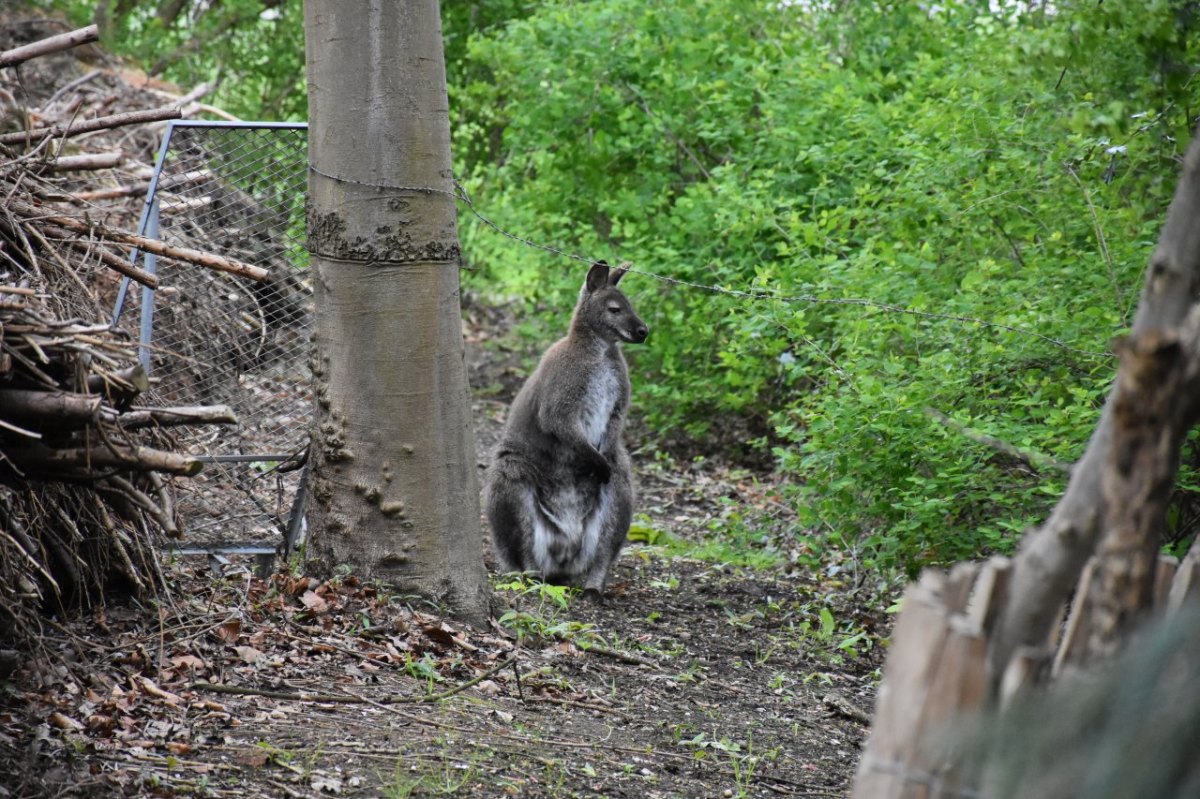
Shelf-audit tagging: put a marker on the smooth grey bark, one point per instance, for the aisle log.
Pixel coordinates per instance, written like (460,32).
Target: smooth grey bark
(1052,556)
(393,484)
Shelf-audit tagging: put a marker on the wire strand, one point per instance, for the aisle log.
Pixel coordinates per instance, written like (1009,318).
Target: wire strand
(460,194)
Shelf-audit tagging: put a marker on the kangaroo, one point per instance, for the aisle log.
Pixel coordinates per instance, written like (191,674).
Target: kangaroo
(559,492)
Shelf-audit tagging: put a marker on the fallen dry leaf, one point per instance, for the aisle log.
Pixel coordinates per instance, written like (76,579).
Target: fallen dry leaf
(314,603)
(251,757)
(168,697)
(248,654)
(64,722)
(229,631)
(187,662)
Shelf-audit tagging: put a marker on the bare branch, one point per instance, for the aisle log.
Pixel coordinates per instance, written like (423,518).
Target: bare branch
(205,259)
(91,125)
(53,44)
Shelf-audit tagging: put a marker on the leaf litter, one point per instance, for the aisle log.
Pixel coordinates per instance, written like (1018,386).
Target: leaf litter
(292,686)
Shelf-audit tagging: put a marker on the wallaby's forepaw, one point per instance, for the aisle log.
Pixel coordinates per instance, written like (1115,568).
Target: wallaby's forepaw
(598,470)
(595,596)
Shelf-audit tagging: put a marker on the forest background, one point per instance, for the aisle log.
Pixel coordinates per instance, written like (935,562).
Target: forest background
(894,239)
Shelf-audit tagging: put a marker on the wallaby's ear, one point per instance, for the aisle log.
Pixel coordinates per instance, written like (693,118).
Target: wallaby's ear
(614,277)
(597,277)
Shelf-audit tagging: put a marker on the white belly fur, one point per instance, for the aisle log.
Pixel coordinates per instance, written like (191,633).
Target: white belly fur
(567,518)
(598,404)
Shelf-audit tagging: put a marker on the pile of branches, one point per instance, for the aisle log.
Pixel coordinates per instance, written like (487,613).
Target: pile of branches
(85,466)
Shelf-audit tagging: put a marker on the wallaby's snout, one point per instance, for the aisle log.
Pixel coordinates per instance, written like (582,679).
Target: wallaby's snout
(637,334)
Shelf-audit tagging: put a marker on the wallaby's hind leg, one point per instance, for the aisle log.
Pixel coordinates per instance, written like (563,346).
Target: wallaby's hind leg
(613,531)
(510,514)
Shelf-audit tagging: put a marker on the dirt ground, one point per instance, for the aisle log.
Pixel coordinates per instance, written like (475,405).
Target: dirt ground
(696,679)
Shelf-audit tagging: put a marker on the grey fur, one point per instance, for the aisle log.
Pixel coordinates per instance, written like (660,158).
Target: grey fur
(559,493)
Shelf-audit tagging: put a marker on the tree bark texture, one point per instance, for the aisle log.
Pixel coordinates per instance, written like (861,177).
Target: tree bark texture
(1052,556)
(393,479)
(1153,410)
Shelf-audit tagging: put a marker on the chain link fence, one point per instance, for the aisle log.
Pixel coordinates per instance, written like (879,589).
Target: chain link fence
(209,338)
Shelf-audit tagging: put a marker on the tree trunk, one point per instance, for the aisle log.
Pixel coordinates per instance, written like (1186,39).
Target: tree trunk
(1052,556)
(393,483)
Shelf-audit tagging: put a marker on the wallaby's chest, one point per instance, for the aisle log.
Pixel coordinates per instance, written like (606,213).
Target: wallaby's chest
(600,400)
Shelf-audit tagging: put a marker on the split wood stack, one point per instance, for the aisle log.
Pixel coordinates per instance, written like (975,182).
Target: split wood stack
(1081,594)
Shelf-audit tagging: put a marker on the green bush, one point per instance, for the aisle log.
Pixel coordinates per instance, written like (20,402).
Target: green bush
(957,206)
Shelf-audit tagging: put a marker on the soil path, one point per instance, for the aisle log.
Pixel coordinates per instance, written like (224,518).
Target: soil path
(696,679)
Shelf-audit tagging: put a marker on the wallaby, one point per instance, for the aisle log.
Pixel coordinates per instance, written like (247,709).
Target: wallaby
(559,493)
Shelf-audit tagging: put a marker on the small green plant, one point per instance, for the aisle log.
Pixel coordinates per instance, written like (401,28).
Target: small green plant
(732,540)
(692,673)
(534,627)
(669,584)
(277,755)
(424,669)
(646,533)
(681,729)
(293,762)
(526,585)
(820,635)
(743,773)
(544,622)
(447,778)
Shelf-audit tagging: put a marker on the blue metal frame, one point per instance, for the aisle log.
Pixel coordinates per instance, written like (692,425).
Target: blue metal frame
(148,226)
(152,190)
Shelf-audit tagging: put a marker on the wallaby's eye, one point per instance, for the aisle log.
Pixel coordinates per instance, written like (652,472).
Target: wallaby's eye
(614,309)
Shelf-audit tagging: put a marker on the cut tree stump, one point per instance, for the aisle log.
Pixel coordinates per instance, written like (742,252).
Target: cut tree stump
(937,677)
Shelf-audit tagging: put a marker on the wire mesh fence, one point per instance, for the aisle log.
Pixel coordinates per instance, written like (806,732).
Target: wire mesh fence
(209,338)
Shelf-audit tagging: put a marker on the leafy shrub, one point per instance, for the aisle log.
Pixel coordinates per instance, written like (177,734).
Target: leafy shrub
(957,207)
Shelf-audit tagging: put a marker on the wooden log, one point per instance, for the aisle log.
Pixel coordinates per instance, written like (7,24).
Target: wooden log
(182,415)
(1027,668)
(1185,588)
(52,44)
(1052,556)
(957,592)
(87,161)
(91,125)
(1152,413)
(57,407)
(1071,650)
(114,193)
(1164,578)
(936,676)
(958,688)
(919,638)
(990,593)
(120,388)
(44,460)
(141,500)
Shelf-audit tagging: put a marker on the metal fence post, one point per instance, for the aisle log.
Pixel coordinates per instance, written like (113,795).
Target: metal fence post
(146,330)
